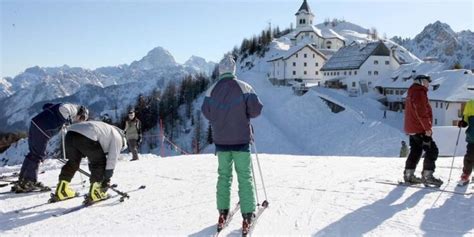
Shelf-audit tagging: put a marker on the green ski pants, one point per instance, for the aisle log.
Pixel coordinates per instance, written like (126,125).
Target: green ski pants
(243,169)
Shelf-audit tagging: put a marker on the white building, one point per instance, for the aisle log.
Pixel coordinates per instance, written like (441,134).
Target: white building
(309,50)
(357,67)
(300,63)
(448,92)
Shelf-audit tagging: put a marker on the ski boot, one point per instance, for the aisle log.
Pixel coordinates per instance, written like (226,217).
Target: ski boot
(247,222)
(223,214)
(96,193)
(429,180)
(63,192)
(410,178)
(26,186)
(464,180)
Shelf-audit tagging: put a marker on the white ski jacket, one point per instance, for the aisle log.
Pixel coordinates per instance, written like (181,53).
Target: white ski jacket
(111,139)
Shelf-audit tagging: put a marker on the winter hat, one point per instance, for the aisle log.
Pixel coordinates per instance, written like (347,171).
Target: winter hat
(419,78)
(227,65)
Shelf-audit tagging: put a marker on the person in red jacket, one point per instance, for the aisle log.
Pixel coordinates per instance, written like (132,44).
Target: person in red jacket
(418,125)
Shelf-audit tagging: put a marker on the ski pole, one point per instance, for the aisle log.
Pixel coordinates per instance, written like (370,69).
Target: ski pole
(254,180)
(454,155)
(265,202)
(123,194)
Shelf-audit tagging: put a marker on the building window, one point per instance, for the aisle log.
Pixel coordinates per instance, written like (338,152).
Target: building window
(314,55)
(294,73)
(441,105)
(387,62)
(345,73)
(436,104)
(355,73)
(305,55)
(305,72)
(376,73)
(436,121)
(350,73)
(294,64)
(305,64)
(296,55)
(376,62)
(353,84)
(396,92)
(316,72)
(338,73)
(317,64)
(370,73)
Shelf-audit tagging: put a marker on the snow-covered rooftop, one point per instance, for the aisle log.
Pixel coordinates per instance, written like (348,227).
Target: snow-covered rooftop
(451,85)
(286,54)
(354,55)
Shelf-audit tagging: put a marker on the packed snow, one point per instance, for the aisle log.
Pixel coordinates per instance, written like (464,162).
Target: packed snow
(308,195)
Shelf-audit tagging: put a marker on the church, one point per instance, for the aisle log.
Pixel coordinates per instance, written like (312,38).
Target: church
(310,49)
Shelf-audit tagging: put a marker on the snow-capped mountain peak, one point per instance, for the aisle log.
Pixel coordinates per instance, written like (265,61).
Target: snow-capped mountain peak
(156,58)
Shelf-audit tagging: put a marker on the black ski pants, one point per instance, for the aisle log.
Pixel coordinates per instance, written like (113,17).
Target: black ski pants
(418,144)
(77,147)
(469,159)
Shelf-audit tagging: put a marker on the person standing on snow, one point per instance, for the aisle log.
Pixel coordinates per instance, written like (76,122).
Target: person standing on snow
(418,124)
(229,105)
(134,133)
(468,121)
(404,149)
(43,127)
(101,143)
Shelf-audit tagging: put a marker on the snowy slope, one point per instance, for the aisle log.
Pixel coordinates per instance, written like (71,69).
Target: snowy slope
(320,196)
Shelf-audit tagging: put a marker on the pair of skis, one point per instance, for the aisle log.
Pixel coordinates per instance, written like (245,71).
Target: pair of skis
(245,232)
(88,203)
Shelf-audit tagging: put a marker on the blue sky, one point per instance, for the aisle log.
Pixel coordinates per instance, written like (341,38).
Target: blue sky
(99,33)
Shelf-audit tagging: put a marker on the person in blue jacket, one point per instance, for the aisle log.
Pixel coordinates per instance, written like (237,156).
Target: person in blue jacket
(43,127)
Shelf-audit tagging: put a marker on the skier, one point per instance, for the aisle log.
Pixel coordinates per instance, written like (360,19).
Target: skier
(229,105)
(418,124)
(101,143)
(404,149)
(134,133)
(43,126)
(468,120)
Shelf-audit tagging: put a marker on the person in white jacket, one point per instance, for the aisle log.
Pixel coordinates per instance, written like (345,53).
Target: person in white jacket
(101,143)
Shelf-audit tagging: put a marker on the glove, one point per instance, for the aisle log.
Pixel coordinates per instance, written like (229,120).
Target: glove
(426,144)
(139,139)
(106,181)
(462,124)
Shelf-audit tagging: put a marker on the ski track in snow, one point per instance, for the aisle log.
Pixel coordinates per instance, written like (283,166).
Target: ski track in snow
(308,195)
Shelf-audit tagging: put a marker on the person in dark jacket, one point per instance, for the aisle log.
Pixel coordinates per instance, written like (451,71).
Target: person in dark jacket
(133,130)
(101,143)
(229,105)
(418,124)
(468,121)
(42,127)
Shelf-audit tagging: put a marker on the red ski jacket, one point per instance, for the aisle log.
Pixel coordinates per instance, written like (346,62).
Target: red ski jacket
(418,114)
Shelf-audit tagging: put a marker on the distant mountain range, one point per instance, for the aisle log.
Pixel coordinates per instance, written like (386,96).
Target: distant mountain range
(439,41)
(104,88)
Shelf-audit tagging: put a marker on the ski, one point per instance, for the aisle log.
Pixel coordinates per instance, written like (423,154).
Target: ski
(4,185)
(229,218)
(13,175)
(424,187)
(260,211)
(80,207)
